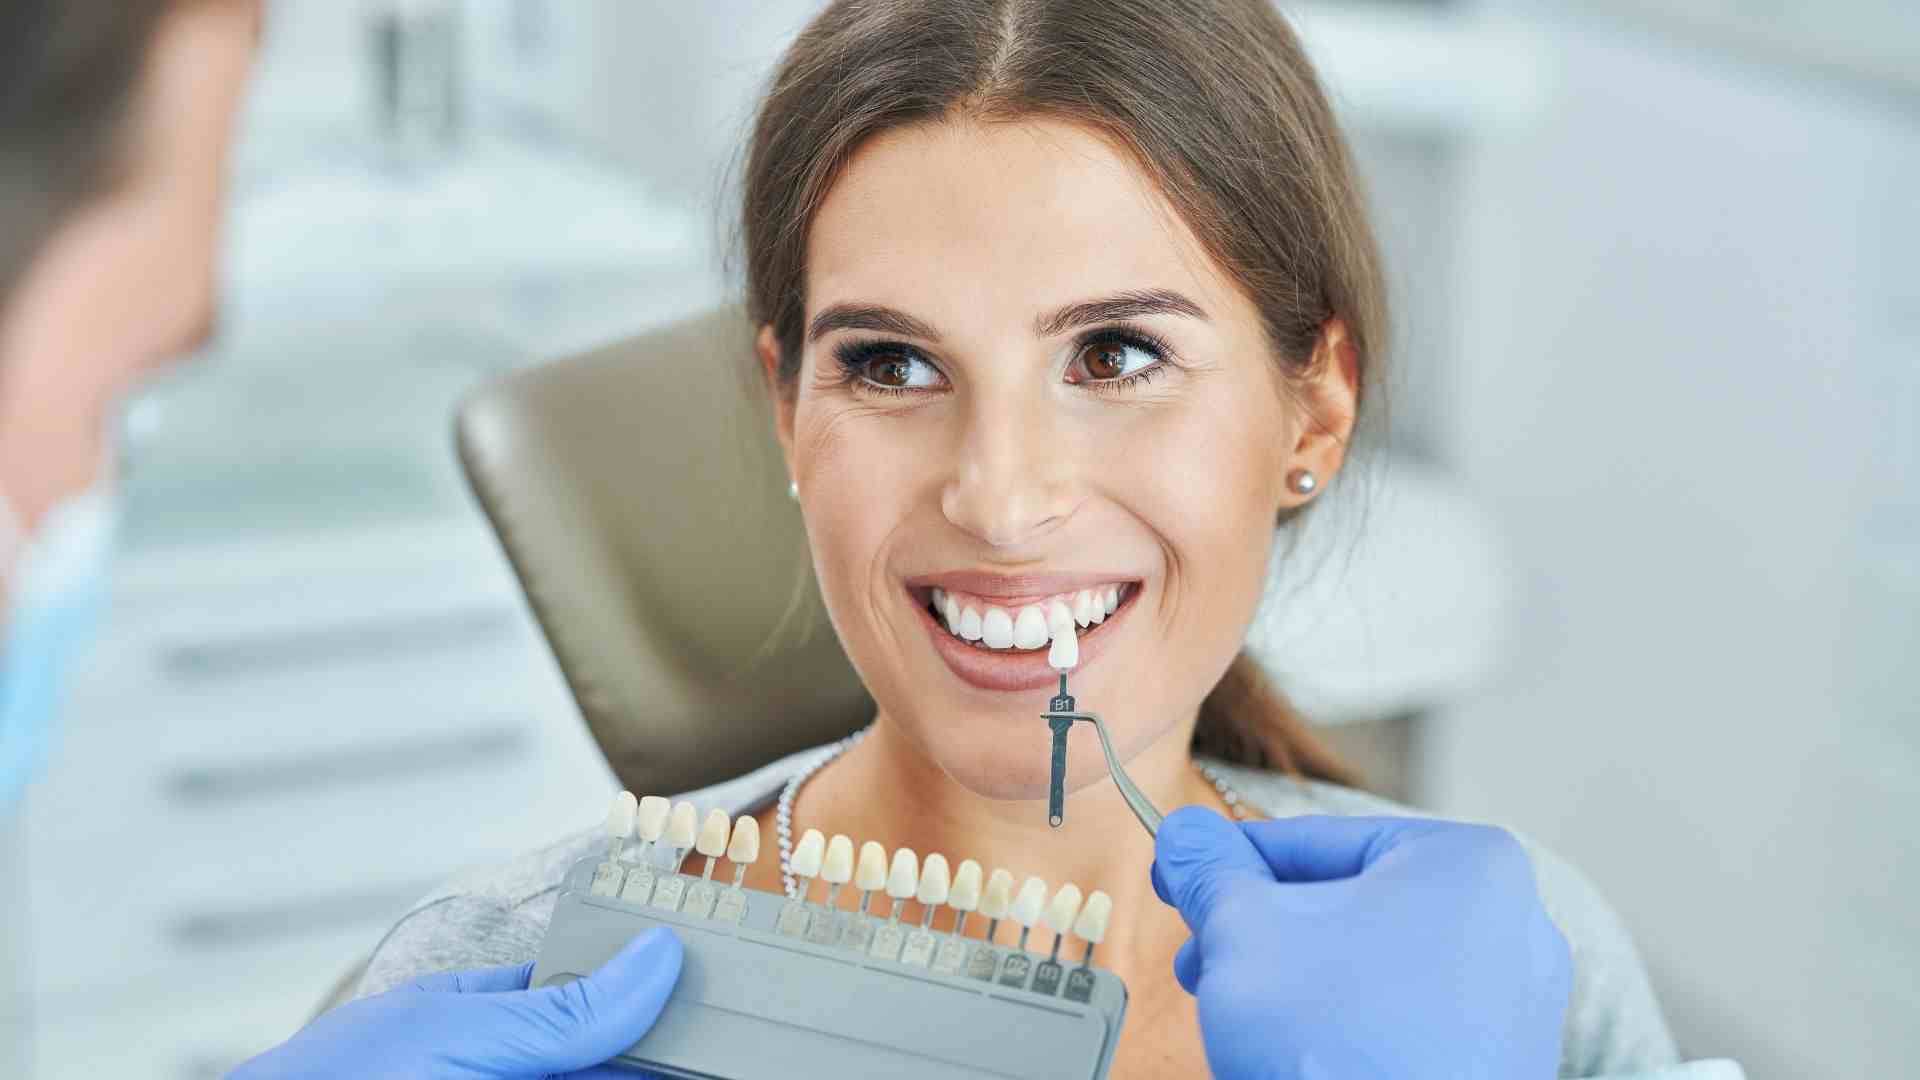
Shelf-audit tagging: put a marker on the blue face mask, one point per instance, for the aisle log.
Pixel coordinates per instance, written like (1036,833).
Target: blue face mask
(56,597)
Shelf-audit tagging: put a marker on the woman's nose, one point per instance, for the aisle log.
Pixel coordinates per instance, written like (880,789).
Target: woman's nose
(1011,482)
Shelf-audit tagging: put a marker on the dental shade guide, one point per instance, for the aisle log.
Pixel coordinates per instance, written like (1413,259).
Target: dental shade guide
(1060,716)
(763,992)
(608,875)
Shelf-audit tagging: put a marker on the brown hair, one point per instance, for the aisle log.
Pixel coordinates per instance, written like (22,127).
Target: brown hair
(69,73)
(1214,98)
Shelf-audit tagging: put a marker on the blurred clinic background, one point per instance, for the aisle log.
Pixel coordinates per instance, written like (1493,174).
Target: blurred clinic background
(1640,571)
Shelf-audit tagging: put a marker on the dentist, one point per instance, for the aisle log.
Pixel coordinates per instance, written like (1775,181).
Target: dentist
(115,122)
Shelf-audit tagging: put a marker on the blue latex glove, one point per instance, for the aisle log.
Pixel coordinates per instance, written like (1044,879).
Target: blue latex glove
(1339,946)
(487,1024)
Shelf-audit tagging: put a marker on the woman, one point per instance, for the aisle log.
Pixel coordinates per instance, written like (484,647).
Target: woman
(115,122)
(1063,301)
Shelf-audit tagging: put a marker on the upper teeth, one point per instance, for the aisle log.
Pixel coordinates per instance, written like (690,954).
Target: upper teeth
(1025,626)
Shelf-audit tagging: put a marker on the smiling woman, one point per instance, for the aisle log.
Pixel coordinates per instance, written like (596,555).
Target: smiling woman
(1067,311)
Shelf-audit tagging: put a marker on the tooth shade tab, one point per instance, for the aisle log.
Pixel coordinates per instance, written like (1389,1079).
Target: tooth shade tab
(999,895)
(903,878)
(871,873)
(1064,907)
(1091,926)
(682,824)
(1029,904)
(807,854)
(620,816)
(744,848)
(965,893)
(935,881)
(712,841)
(837,867)
(651,820)
(1064,654)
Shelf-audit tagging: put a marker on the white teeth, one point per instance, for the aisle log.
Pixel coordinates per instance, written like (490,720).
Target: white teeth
(1091,926)
(951,609)
(745,845)
(1113,598)
(872,873)
(939,597)
(965,894)
(935,884)
(682,824)
(713,835)
(970,624)
(1066,905)
(903,879)
(1065,653)
(1083,607)
(620,816)
(651,821)
(805,861)
(999,895)
(837,867)
(996,628)
(1030,629)
(1032,901)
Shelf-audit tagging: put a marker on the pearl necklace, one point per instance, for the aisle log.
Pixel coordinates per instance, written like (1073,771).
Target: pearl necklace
(783,809)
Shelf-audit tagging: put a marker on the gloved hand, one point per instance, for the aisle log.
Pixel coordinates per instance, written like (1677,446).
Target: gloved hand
(1340,946)
(475,1024)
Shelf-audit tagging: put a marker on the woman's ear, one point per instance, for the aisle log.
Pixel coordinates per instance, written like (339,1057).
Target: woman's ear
(1329,399)
(767,348)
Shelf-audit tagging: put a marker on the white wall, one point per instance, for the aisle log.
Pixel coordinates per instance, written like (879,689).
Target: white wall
(1687,386)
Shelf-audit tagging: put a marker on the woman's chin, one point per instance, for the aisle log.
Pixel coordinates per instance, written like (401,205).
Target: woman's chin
(1015,765)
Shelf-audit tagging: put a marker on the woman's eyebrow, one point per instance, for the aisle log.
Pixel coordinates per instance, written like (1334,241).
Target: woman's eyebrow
(1126,305)
(885,320)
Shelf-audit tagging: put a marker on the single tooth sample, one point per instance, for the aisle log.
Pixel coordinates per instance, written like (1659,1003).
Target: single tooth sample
(870,875)
(1030,628)
(650,824)
(744,849)
(1028,906)
(996,628)
(1083,607)
(836,869)
(806,859)
(1064,654)
(712,841)
(1061,913)
(903,880)
(607,876)
(1091,926)
(964,896)
(996,900)
(970,624)
(935,886)
(683,828)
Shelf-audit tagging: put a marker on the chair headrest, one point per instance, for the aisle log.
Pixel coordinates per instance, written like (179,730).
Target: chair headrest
(640,496)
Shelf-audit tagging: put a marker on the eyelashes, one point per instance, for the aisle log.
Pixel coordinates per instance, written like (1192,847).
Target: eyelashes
(909,370)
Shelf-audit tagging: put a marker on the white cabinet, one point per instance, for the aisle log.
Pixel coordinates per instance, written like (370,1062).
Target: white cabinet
(279,747)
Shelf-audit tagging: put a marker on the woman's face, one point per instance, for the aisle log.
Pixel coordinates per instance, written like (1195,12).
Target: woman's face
(1024,382)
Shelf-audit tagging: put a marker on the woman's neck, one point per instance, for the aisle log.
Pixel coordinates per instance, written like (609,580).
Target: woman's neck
(888,790)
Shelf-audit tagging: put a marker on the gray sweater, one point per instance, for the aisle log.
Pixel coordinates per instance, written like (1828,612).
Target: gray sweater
(498,916)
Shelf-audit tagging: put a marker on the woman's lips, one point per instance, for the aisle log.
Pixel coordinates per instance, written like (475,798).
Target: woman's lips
(1009,669)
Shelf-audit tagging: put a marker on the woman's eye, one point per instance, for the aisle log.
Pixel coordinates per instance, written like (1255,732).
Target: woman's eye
(1109,359)
(891,369)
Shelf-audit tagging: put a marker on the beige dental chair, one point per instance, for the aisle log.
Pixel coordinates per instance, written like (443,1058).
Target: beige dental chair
(642,501)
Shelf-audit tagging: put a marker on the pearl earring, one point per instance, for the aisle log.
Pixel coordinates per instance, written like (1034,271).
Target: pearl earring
(1302,481)
(793,490)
